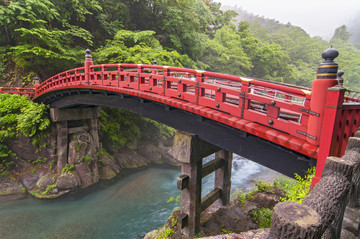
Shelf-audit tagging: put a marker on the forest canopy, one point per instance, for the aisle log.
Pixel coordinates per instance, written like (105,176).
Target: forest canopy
(43,37)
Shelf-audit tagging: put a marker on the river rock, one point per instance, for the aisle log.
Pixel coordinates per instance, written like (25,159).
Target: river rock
(68,181)
(107,161)
(81,145)
(151,152)
(157,154)
(129,159)
(10,188)
(232,218)
(106,173)
(88,174)
(83,154)
(45,181)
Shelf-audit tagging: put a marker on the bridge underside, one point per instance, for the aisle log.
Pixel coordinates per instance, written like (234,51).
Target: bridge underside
(249,146)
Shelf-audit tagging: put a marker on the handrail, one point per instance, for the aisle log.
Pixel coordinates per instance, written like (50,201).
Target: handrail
(29,92)
(351,97)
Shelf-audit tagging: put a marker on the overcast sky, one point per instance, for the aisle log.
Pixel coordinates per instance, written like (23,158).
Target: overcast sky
(316,17)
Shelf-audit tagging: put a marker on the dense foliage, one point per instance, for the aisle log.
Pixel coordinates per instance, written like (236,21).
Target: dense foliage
(44,37)
(18,115)
(123,129)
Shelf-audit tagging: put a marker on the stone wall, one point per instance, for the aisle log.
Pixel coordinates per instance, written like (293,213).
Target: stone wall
(321,213)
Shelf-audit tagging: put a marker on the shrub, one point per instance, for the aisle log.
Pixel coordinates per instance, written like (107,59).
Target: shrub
(67,168)
(262,216)
(297,192)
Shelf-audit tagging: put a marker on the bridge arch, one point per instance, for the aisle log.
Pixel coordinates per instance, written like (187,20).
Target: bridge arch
(240,142)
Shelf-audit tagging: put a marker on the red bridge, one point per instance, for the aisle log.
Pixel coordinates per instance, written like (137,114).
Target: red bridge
(310,124)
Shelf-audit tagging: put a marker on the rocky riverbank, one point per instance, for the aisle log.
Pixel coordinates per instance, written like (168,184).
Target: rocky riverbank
(237,220)
(33,170)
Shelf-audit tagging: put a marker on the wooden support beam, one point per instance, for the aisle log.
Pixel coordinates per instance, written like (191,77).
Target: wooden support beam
(210,198)
(190,151)
(189,147)
(94,131)
(223,175)
(212,166)
(62,144)
(78,129)
(58,115)
(183,182)
(191,197)
(183,220)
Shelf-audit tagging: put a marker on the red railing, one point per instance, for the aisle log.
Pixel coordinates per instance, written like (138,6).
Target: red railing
(283,107)
(352,97)
(29,92)
(341,122)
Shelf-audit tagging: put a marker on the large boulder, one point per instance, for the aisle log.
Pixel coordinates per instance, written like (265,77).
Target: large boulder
(106,173)
(69,180)
(44,182)
(88,174)
(157,154)
(83,154)
(81,147)
(130,159)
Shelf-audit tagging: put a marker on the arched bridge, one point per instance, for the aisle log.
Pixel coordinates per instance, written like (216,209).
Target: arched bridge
(285,127)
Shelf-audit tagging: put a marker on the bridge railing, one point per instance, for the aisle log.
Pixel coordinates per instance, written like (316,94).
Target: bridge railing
(29,92)
(280,106)
(351,96)
(341,122)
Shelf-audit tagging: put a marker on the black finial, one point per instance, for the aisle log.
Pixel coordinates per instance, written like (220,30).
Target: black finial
(340,79)
(154,62)
(36,81)
(330,54)
(328,69)
(88,56)
(340,73)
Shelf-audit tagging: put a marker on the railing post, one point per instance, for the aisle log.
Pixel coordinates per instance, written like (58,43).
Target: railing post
(87,63)
(199,92)
(36,85)
(325,78)
(330,127)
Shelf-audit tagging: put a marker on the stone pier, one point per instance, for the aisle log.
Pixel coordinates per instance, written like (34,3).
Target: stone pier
(63,119)
(190,151)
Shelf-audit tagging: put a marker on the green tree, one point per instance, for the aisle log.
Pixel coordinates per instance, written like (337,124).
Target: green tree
(139,47)
(348,59)
(32,38)
(18,115)
(226,54)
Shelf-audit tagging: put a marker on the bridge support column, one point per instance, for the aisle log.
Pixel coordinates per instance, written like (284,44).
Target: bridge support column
(62,117)
(62,144)
(190,151)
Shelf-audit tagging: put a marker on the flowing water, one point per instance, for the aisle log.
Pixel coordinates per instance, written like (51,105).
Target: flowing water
(127,208)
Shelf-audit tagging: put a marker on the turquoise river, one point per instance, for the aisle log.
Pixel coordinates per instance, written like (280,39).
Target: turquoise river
(125,208)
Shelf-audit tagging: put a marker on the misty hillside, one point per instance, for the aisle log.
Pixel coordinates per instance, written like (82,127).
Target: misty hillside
(304,51)
(269,24)
(272,25)
(354,29)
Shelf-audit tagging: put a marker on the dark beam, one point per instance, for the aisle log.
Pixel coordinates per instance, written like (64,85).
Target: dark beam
(211,166)
(210,198)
